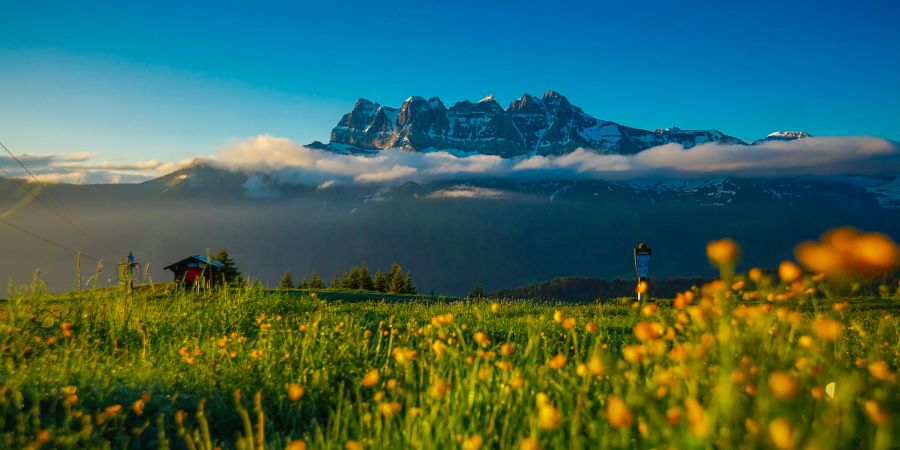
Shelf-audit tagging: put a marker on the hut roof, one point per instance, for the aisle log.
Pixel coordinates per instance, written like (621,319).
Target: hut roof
(201,258)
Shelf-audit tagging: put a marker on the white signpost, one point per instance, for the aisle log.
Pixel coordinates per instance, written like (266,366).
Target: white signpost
(641,266)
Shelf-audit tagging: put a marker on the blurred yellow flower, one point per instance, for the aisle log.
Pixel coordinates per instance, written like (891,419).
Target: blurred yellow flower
(389,409)
(783,385)
(548,417)
(618,413)
(404,355)
(645,331)
(724,252)
(557,362)
(297,444)
(641,288)
(879,416)
(880,370)
(789,272)
(529,443)
(438,389)
(481,339)
(848,253)
(473,442)
(295,392)
(371,378)
(558,316)
(827,329)
(782,434)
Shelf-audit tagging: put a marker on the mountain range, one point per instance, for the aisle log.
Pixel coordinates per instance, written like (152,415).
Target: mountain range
(530,125)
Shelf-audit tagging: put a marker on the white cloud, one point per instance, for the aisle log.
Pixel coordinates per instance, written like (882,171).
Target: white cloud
(327,184)
(285,162)
(468,192)
(391,174)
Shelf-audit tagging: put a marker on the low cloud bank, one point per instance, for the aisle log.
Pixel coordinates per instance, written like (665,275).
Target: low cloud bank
(290,163)
(286,162)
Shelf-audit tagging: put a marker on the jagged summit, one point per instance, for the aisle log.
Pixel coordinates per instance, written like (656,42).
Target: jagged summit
(546,125)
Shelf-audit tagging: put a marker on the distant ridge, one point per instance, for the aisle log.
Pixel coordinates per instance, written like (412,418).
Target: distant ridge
(582,289)
(530,125)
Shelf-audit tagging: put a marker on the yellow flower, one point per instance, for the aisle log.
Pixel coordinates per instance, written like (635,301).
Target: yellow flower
(827,329)
(353,445)
(297,444)
(371,378)
(558,316)
(295,392)
(876,413)
(481,339)
(438,389)
(569,323)
(404,355)
(755,274)
(673,415)
(495,308)
(507,349)
(782,434)
(390,408)
(557,361)
(880,370)
(724,252)
(634,353)
(645,331)
(473,442)
(439,348)
(618,413)
(789,272)
(595,366)
(529,443)
(591,327)
(782,385)
(548,417)
(696,417)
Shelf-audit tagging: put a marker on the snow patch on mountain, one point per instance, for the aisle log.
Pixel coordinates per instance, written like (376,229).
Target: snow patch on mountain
(888,194)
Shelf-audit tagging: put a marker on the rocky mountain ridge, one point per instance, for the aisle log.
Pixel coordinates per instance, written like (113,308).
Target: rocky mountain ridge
(547,125)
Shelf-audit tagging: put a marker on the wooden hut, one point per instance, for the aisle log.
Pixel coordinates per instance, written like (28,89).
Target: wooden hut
(195,268)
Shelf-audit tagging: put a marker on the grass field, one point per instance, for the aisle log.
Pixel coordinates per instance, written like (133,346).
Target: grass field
(754,362)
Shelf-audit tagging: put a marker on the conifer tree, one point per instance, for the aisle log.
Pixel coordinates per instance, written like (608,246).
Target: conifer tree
(287,281)
(229,270)
(365,279)
(395,284)
(381,281)
(315,282)
(335,282)
(408,286)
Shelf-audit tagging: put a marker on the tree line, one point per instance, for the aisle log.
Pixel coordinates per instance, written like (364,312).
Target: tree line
(393,281)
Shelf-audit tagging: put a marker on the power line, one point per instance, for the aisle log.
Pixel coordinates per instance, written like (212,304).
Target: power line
(53,243)
(74,219)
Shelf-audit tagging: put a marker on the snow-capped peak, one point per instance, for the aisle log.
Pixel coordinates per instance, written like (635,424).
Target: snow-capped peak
(489,98)
(789,134)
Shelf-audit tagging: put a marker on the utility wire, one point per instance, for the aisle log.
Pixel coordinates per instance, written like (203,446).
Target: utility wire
(53,243)
(74,219)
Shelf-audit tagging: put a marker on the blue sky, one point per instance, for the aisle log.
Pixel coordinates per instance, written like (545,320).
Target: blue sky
(130,81)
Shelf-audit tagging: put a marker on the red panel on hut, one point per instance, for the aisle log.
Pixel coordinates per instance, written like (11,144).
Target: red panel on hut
(192,274)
